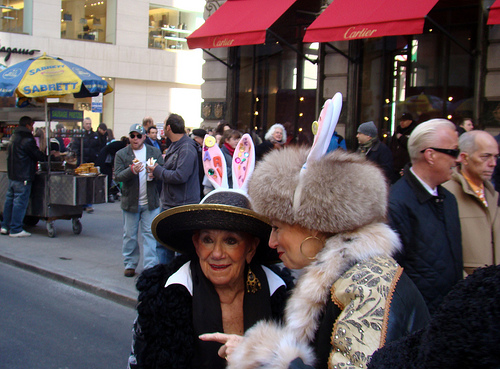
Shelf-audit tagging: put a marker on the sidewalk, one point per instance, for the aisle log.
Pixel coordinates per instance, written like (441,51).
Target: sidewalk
(91,261)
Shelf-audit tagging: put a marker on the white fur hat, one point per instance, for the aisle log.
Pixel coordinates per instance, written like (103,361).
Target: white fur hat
(340,192)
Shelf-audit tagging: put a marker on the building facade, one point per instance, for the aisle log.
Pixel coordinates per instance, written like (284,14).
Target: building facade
(451,68)
(138,46)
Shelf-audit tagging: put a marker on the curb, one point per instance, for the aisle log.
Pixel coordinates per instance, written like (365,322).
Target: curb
(87,287)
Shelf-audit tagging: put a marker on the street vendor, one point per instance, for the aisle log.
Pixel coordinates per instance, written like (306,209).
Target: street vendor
(22,157)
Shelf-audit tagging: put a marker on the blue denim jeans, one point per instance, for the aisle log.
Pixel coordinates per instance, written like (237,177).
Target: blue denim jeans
(131,250)
(165,255)
(16,203)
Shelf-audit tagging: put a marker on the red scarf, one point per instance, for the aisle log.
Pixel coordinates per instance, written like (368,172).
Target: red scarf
(229,148)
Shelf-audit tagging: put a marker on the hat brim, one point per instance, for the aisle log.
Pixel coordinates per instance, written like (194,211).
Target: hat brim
(174,227)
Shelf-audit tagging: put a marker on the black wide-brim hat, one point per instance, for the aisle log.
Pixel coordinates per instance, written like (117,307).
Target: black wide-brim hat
(225,210)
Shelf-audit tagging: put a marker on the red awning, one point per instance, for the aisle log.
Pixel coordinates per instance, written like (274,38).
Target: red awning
(238,22)
(494,17)
(345,20)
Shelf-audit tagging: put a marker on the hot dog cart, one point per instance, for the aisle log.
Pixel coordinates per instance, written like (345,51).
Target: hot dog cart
(57,193)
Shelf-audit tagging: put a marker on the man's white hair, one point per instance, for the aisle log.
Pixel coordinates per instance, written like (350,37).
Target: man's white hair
(424,136)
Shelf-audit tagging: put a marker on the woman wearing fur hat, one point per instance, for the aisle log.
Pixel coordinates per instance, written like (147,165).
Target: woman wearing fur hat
(352,297)
(219,284)
(328,217)
(275,138)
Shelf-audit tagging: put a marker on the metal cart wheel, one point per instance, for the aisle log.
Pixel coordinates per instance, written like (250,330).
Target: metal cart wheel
(77,226)
(51,230)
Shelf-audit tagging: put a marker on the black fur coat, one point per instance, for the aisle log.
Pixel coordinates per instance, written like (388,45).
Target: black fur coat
(163,333)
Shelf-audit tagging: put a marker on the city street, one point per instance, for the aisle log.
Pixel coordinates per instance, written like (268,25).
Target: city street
(91,260)
(47,324)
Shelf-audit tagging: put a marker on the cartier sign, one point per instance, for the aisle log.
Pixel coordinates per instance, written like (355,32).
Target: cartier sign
(352,33)
(222,42)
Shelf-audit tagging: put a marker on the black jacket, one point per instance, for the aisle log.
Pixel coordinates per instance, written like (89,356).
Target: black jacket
(399,146)
(23,155)
(380,154)
(91,147)
(164,334)
(429,229)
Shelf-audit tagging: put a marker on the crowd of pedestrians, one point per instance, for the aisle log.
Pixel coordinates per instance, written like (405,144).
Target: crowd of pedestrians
(420,208)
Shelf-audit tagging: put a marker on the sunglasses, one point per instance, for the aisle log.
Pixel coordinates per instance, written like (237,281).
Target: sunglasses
(452,152)
(138,135)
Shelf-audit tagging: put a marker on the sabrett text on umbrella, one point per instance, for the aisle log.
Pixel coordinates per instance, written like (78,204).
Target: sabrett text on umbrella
(62,86)
(36,70)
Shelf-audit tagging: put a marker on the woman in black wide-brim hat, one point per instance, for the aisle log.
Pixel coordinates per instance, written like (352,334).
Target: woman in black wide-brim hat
(217,284)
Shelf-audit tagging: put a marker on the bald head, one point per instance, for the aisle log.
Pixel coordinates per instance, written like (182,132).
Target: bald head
(478,155)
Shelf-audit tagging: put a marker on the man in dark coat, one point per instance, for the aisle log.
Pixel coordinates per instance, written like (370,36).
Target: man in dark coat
(23,155)
(374,149)
(425,214)
(91,148)
(399,142)
(90,144)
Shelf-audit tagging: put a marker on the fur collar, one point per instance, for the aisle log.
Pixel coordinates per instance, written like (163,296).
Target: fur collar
(341,251)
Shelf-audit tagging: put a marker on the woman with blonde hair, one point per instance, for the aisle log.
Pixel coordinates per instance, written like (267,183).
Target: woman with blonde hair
(328,217)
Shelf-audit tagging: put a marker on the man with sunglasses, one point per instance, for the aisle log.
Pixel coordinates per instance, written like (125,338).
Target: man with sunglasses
(425,214)
(477,200)
(140,200)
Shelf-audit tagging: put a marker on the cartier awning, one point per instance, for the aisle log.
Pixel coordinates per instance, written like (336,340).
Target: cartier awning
(494,16)
(238,22)
(345,20)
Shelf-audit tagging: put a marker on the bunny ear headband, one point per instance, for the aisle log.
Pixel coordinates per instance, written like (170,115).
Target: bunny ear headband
(323,130)
(223,208)
(243,164)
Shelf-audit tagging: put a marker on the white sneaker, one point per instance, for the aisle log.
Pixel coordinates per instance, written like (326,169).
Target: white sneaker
(23,233)
(4,230)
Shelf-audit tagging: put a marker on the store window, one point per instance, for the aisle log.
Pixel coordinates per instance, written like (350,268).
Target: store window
(88,20)
(16,16)
(428,75)
(168,27)
(276,85)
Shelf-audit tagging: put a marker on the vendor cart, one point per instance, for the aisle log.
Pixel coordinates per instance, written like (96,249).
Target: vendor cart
(59,195)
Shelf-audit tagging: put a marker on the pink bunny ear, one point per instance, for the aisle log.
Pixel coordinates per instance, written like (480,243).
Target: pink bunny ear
(243,162)
(214,163)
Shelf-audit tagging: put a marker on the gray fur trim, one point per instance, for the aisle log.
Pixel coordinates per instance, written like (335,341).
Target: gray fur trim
(340,193)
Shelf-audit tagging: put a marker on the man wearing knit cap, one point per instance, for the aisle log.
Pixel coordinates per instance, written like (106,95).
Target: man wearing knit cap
(375,150)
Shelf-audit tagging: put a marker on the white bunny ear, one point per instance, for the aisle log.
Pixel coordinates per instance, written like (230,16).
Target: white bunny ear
(324,127)
(323,130)
(214,163)
(243,162)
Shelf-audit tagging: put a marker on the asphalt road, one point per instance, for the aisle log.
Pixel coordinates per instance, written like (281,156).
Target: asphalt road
(47,324)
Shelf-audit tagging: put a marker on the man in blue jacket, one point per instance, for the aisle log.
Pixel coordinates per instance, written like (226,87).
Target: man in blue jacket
(22,158)
(179,174)
(425,214)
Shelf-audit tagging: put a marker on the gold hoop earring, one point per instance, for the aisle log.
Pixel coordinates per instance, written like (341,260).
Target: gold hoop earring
(253,283)
(322,244)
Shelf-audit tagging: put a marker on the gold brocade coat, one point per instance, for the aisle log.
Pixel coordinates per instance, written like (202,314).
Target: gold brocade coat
(356,272)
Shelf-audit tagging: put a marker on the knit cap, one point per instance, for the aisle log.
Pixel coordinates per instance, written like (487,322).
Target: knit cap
(368,128)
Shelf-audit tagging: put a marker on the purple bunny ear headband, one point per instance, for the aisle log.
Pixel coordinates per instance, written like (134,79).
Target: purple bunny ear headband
(243,164)
(323,130)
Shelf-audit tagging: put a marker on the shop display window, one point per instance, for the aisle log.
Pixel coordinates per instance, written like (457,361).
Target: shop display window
(88,20)
(13,16)
(168,27)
